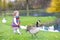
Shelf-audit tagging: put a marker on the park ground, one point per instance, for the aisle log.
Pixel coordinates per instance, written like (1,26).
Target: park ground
(6,31)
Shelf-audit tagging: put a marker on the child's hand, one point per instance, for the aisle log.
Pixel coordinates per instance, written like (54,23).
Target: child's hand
(16,24)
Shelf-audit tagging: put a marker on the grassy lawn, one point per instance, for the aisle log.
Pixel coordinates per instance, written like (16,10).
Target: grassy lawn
(6,32)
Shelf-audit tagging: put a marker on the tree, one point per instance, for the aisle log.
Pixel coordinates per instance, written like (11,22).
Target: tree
(0,4)
(4,6)
(54,6)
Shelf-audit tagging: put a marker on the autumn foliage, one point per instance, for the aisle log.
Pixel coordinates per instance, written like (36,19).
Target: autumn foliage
(54,6)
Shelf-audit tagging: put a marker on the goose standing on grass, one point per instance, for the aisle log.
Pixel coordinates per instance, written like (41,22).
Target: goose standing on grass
(4,20)
(33,30)
(23,27)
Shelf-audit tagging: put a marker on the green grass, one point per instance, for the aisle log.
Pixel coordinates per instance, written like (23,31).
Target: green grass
(6,31)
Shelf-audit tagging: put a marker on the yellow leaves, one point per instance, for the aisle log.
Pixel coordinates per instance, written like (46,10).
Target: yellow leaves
(58,10)
(54,6)
(51,9)
(4,4)
(0,3)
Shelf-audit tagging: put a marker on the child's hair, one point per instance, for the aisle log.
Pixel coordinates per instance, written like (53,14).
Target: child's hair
(15,13)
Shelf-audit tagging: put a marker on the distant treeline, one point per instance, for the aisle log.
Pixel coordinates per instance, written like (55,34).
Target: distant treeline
(22,5)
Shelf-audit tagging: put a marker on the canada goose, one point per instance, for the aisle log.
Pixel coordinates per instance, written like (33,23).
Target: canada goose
(4,20)
(33,30)
(23,27)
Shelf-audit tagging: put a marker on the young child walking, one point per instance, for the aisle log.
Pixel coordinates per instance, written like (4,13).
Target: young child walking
(16,22)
